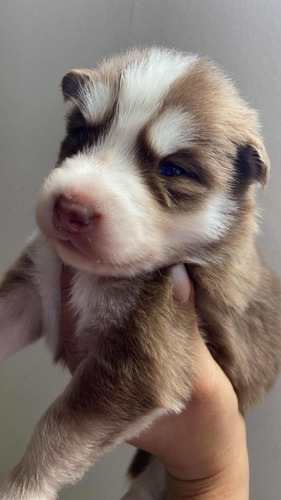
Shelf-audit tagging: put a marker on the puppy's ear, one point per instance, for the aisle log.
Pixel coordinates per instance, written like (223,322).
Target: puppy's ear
(252,162)
(74,82)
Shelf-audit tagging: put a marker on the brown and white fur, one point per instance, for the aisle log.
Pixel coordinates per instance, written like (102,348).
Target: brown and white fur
(110,211)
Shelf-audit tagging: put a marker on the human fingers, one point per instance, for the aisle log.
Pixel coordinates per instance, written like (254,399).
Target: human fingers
(174,437)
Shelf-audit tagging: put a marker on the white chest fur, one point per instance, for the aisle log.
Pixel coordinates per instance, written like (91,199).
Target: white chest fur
(99,303)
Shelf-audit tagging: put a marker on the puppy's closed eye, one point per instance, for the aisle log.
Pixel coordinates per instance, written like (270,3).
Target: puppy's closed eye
(170,169)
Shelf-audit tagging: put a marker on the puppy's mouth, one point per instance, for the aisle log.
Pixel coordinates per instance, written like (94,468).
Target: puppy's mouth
(73,253)
(69,245)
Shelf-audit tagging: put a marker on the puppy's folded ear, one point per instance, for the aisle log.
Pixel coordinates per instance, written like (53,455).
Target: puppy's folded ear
(252,162)
(74,82)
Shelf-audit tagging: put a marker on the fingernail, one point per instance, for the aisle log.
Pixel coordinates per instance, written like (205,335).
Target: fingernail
(181,283)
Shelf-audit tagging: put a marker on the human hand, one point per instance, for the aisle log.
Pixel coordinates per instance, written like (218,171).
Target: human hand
(203,448)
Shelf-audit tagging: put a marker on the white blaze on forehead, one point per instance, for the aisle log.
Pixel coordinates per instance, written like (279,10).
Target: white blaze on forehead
(173,130)
(145,82)
(96,99)
(143,86)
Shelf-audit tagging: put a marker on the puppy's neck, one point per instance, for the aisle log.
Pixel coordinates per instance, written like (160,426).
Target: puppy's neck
(233,278)
(106,301)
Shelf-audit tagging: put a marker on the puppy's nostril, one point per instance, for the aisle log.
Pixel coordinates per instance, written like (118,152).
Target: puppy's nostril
(72,217)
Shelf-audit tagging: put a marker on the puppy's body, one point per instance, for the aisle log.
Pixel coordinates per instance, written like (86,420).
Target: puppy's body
(157,168)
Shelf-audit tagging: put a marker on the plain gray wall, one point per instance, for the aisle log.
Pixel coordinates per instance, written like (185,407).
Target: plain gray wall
(39,41)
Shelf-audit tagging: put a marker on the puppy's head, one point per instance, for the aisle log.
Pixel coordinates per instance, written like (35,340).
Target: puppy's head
(156,167)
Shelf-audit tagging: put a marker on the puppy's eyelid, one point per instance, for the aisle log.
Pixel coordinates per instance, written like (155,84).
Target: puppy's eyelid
(188,169)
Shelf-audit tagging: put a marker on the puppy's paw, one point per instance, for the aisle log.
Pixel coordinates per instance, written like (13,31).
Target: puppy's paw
(19,486)
(17,495)
(10,491)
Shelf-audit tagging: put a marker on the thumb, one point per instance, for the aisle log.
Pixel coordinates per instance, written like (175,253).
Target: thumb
(183,290)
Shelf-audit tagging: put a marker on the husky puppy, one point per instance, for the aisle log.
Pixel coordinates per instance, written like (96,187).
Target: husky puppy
(158,167)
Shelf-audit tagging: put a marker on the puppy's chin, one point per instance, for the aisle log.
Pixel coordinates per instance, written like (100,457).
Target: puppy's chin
(76,259)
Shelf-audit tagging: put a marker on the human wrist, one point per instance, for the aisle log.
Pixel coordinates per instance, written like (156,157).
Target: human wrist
(232,484)
(221,474)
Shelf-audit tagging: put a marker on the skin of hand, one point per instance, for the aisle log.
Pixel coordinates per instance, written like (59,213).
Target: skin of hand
(203,448)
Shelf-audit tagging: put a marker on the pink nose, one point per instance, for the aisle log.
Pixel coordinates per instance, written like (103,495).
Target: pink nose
(72,217)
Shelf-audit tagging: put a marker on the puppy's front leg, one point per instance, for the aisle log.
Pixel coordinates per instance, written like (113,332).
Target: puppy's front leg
(75,430)
(113,395)
(20,307)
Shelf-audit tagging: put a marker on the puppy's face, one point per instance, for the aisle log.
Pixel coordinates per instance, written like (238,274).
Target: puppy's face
(158,158)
